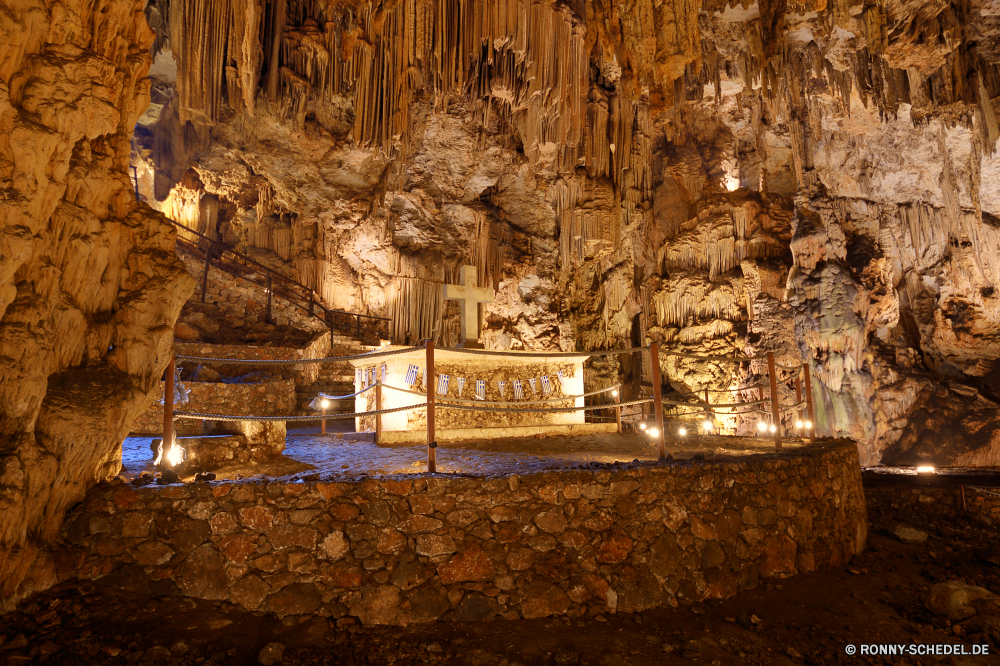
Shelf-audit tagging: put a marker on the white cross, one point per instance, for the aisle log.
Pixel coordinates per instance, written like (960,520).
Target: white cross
(470,296)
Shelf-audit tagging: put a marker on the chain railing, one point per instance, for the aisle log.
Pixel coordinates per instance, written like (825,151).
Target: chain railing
(432,402)
(369,329)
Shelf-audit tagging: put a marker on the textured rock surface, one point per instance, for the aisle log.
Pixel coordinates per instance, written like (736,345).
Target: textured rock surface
(811,179)
(400,550)
(89,284)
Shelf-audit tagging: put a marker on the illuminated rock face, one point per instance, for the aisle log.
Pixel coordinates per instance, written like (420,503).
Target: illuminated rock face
(719,179)
(89,284)
(803,178)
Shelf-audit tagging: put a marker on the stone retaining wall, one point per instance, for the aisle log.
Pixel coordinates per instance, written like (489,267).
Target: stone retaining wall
(272,398)
(419,548)
(318,347)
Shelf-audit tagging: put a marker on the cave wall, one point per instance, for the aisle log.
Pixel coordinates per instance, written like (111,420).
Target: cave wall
(814,179)
(90,286)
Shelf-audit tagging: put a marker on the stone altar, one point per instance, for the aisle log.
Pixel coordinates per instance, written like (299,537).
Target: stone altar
(453,424)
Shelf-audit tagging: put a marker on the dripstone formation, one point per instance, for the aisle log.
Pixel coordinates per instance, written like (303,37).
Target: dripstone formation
(813,179)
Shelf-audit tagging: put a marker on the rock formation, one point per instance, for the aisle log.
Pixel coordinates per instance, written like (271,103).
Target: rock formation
(812,179)
(90,285)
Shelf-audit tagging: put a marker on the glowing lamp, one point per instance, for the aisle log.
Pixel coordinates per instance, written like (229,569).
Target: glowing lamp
(653,432)
(325,403)
(707,425)
(809,425)
(642,426)
(175,456)
(798,425)
(925,469)
(682,432)
(614,393)
(773,428)
(761,426)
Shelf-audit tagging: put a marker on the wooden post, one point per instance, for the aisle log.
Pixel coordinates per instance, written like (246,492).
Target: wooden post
(708,410)
(329,317)
(775,414)
(809,401)
(378,407)
(322,422)
(168,413)
(654,351)
(798,399)
(204,277)
(618,409)
(267,318)
(431,443)
(310,303)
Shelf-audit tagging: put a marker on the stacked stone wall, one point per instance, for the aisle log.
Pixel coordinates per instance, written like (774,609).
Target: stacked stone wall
(411,549)
(273,398)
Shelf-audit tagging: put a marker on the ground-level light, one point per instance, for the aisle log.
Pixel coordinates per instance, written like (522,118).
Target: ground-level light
(614,394)
(682,432)
(809,425)
(325,403)
(761,426)
(925,469)
(798,425)
(642,426)
(707,425)
(773,428)
(653,432)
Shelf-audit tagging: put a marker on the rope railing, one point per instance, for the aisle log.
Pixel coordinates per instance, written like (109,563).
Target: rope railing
(431,400)
(302,361)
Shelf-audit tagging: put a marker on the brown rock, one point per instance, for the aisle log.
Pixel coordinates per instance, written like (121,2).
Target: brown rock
(249,592)
(256,517)
(431,545)
(391,542)
(779,556)
(344,512)
(542,599)
(421,504)
(409,575)
(203,574)
(420,525)
(186,332)
(343,574)
(153,553)
(472,564)
(292,536)
(222,523)
(377,605)
(520,559)
(615,548)
(295,599)
(137,525)
(363,532)
(475,607)
(552,521)
(238,547)
(335,546)
(426,605)
(664,557)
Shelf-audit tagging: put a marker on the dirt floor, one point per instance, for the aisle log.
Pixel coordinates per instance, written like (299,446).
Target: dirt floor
(339,454)
(806,620)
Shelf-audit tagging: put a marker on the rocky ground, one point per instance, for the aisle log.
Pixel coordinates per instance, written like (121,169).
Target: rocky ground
(340,453)
(880,598)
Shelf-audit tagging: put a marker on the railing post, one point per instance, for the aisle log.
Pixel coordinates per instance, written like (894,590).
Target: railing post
(204,277)
(168,414)
(708,410)
(809,401)
(329,316)
(618,409)
(378,407)
(310,303)
(267,317)
(654,352)
(322,421)
(431,443)
(775,413)
(358,317)
(798,399)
